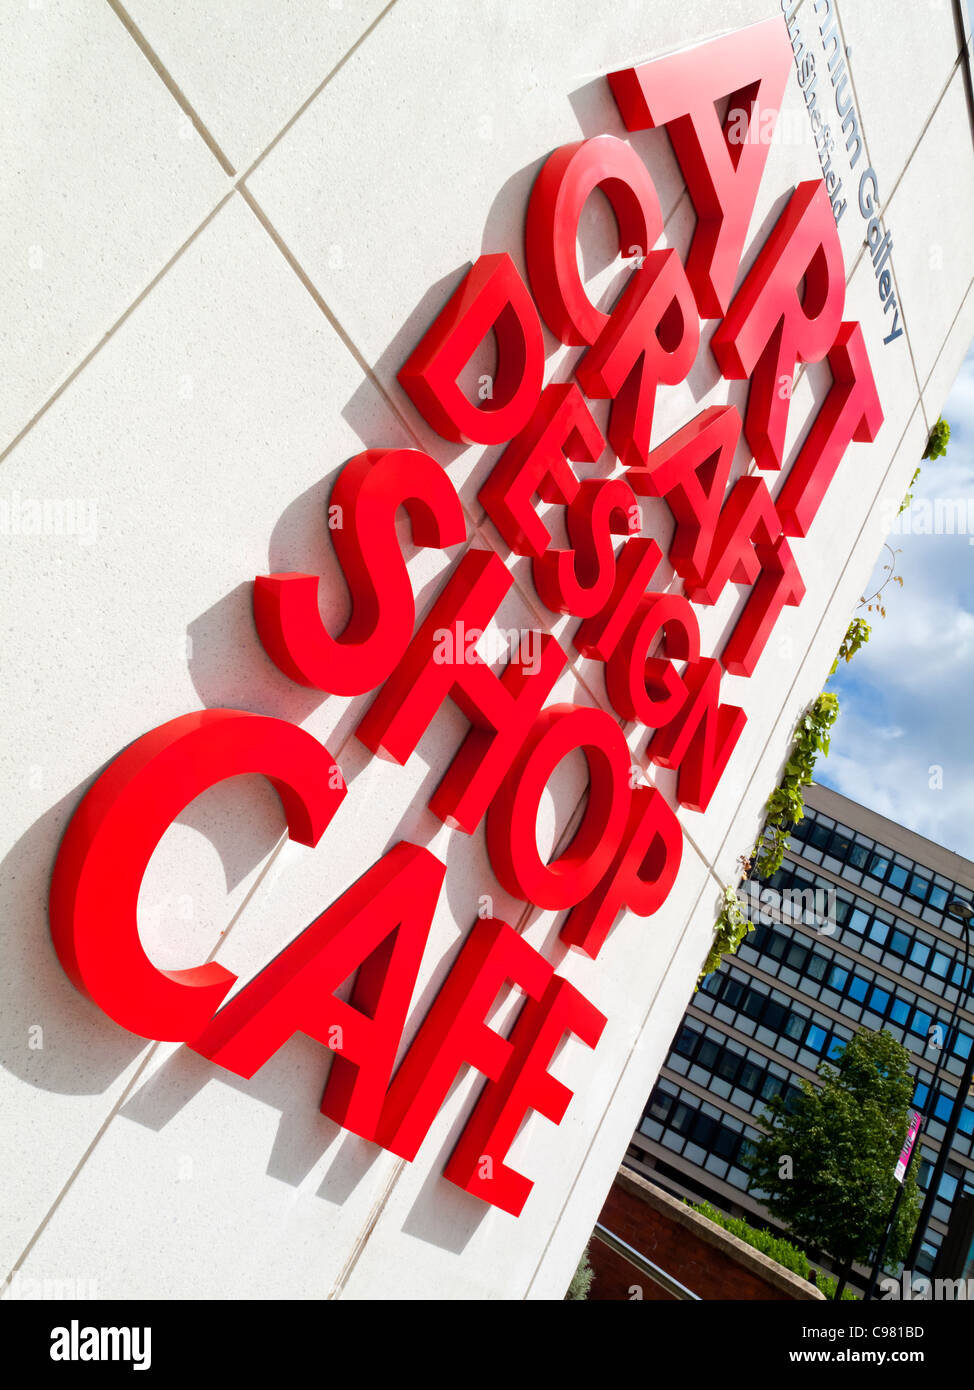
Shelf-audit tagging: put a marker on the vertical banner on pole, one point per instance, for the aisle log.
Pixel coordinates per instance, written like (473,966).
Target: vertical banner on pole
(912,1131)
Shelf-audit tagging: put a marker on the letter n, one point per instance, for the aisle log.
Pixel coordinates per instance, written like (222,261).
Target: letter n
(700,740)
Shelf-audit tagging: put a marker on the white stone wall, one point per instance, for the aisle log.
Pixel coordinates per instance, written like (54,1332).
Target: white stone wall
(224,228)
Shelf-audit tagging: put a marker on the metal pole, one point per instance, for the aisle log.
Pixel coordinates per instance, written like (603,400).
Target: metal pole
(644,1265)
(891,1222)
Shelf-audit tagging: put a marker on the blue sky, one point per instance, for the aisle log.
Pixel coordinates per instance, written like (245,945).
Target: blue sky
(907,699)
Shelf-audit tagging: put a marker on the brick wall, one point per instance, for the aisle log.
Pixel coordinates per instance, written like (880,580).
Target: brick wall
(708,1261)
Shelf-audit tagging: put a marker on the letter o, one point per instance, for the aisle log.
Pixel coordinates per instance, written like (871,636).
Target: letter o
(551,230)
(513,814)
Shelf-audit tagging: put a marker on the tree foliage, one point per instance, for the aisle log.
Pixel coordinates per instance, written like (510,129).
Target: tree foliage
(842,1138)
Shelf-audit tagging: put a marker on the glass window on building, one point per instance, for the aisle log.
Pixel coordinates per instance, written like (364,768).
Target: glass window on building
(750,1078)
(859,921)
(899,943)
(900,1011)
(858,988)
(918,887)
(940,964)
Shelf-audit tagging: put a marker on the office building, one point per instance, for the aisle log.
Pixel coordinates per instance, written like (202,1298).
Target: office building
(859,938)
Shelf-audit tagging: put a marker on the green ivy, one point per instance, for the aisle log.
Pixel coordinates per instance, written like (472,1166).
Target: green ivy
(857,635)
(786,805)
(909,496)
(729,931)
(938,441)
(936,448)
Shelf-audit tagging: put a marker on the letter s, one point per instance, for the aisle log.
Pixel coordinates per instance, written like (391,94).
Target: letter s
(369,491)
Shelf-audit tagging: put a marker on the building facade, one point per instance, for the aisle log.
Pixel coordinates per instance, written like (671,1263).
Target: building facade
(853,933)
(334,329)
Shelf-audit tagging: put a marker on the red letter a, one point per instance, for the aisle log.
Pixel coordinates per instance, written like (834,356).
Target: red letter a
(379,926)
(721,164)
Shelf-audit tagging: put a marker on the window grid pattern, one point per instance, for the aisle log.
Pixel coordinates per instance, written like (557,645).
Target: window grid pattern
(896,945)
(895,877)
(702,1134)
(750,1006)
(861,994)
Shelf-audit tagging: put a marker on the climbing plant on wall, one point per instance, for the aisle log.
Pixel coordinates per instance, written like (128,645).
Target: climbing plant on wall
(786,804)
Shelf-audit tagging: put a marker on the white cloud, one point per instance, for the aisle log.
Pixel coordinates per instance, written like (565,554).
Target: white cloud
(904,743)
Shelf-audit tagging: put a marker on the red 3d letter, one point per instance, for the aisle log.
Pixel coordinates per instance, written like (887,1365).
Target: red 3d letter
(580,580)
(652,336)
(110,840)
(379,928)
(642,872)
(646,687)
(599,635)
(691,470)
(491,296)
(477,1163)
(702,739)
(535,464)
(369,490)
(442,661)
(722,165)
(779,586)
(513,814)
(551,232)
(454,1031)
(772,325)
(746,532)
(851,411)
